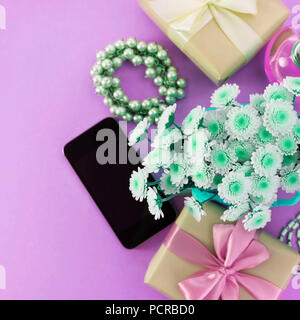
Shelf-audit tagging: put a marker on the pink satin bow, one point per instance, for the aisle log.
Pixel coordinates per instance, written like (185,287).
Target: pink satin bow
(236,250)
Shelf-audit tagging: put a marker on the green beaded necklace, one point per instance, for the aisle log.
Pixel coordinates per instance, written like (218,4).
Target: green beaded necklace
(287,233)
(159,67)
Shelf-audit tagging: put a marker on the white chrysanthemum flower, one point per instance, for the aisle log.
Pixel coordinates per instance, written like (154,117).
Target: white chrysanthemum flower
(194,207)
(287,144)
(258,218)
(267,160)
(178,170)
(167,137)
(290,179)
(138,184)
(265,186)
(235,212)
(157,159)
(246,168)
(235,188)
(275,91)
(154,203)
(222,158)
(225,95)
(292,84)
(258,102)
(242,123)
(267,200)
(167,118)
(242,149)
(263,137)
(139,133)
(196,145)
(280,117)
(193,120)
(214,121)
(296,130)
(166,184)
(202,175)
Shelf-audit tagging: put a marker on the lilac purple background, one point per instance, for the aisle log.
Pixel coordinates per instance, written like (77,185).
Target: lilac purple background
(54,243)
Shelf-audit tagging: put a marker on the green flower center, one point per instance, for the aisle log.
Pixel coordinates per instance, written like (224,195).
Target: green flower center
(287,144)
(175,168)
(242,121)
(281,117)
(213,128)
(235,187)
(221,159)
(136,184)
(263,185)
(293,178)
(289,159)
(267,161)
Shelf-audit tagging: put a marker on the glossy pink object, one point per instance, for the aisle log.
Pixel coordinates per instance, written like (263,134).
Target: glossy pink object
(282,56)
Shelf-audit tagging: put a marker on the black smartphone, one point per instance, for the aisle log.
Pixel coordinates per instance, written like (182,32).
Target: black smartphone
(108,183)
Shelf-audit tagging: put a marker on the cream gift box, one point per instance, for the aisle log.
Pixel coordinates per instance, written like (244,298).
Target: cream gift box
(219,36)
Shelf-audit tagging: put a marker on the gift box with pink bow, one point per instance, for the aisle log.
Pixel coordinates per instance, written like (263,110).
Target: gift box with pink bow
(211,260)
(219,36)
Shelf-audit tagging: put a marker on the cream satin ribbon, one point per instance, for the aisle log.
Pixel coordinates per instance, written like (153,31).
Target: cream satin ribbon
(187,17)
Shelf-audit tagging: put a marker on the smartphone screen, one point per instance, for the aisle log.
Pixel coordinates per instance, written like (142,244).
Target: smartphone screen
(108,183)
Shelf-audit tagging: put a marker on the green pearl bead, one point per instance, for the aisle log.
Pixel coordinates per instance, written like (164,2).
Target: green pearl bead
(110,49)
(107,64)
(106,82)
(131,42)
(101,91)
(159,70)
(128,116)
(156,120)
(150,73)
(172,69)
(168,62)
(181,83)
(141,46)
(152,47)
(97,80)
(125,99)
(158,81)
(134,105)
(162,54)
(146,104)
(180,93)
(170,100)
(101,55)
(116,82)
(155,102)
(108,101)
(122,111)
(162,91)
(128,53)
(172,76)
(110,71)
(117,62)
(150,120)
(172,92)
(137,60)
(160,47)
(162,107)
(153,113)
(137,118)
(118,94)
(120,45)
(149,62)
(113,109)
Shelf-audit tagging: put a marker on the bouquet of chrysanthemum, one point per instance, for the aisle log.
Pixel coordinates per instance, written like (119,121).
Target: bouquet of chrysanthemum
(239,155)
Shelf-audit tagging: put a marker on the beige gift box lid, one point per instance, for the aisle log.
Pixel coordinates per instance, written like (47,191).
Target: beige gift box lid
(212,51)
(166,269)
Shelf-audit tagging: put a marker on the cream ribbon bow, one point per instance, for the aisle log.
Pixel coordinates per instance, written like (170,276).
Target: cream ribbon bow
(187,17)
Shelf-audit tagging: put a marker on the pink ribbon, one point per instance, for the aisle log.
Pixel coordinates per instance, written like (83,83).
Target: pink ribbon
(236,250)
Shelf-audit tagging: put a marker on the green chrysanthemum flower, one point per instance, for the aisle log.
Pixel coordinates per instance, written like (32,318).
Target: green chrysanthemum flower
(139,133)
(292,84)
(287,144)
(193,120)
(178,171)
(296,130)
(264,186)
(138,184)
(196,145)
(263,137)
(167,137)
(290,179)
(290,159)
(274,92)
(258,218)
(167,185)
(280,117)
(154,203)
(225,95)
(235,188)
(158,158)
(242,123)
(242,149)
(202,175)
(233,213)
(167,118)
(194,207)
(258,102)
(222,158)
(266,160)
(214,121)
